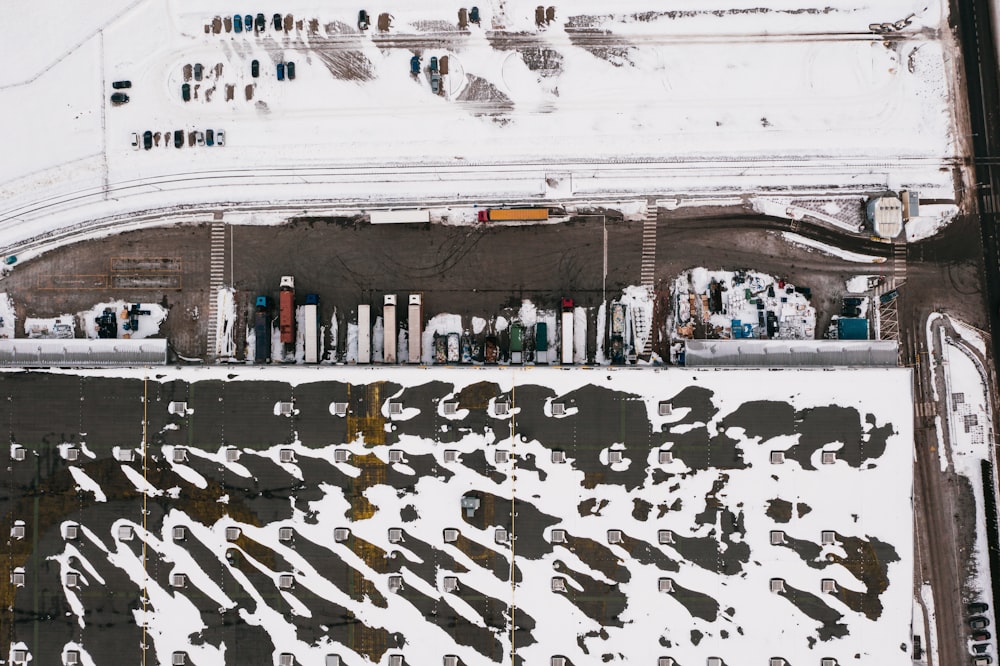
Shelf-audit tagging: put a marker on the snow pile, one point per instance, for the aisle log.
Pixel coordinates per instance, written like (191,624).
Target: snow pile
(802,241)
(441,324)
(225,323)
(859,284)
(8,317)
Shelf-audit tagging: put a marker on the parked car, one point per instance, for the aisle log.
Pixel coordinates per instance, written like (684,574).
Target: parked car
(980,635)
(199,138)
(255,68)
(982,660)
(290,68)
(276,19)
(979,622)
(248,22)
(186,92)
(209,137)
(220,138)
(147,139)
(281,71)
(135,141)
(980,648)
(363,21)
(436,83)
(198,71)
(474,15)
(119,98)
(118,85)
(415,65)
(178,138)
(434,63)
(261,23)
(977,607)
(237,23)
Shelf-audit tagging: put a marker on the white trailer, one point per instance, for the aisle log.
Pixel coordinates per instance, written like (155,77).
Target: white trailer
(567,331)
(415,328)
(389,320)
(364,333)
(311,323)
(399,216)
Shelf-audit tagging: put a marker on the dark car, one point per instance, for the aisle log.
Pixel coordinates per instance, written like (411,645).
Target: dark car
(119,98)
(261,23)
(255,68)
(979,622)
(980,635)
(209,137)
(980,648)
(237,23)
(978,607)
(198,71)
(178,138)
(281,71)
(276,20)
(363,21)
(290,68)
(147,139)
(186,92)
(435,83)
(248,22)
(434,63)
(415,65)
(118,85)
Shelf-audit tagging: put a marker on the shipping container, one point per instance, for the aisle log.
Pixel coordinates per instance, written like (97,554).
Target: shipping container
(286,312)
(567,331)
(513,214)
(389,320)
(364,334)
(311,322)
(516,342)
(415,328)
(399,216)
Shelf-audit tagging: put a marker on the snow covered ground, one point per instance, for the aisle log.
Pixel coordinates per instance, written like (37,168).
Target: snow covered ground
(738,522)
(704,97)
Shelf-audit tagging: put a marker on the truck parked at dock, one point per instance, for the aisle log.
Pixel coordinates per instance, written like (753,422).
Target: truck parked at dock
(415,328)
(513,214)
(389,320)
(286,310)
(364,333)
(567,331)
(262,331)
(313,345)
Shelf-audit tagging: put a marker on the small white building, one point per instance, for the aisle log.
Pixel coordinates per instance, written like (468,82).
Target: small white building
(885,214)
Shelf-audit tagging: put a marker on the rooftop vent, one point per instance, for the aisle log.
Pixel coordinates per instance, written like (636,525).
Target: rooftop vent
(558,409)
(665,409)
(614,457)
(179,658)
(233,533)
(178,580)
(615,536)
(177,408)
(500,456)
(124,455)
(777,457)
(232,454)
(72,454)
(340,409)
(72,579)
(286,581)
(395,456)
(286,455)
(665,536)
(17,577)
(285,408)
(125,532)
(827,661)
(19,656)
(286,659)
(777,537)
(17,452)
(665,585)
(829,457)
(395,583)
(777,661)
(777,585)
(558,456)
(714,661)
(72,657)
(558,584)
(828,537)
(395,660)
(395,534)
(557,661)
(72,531)
(180,454)
(666,456)
(449,408)
(558,536)
(341,534)
(341,455)
(470,503)
(450,660)
(395,408)
(501,408)
(450,455)
(332,660)
(285,533)
(500,535)
(17,531)
(179,533)
(665,661)
(450,583)
(828,586)
(450,535)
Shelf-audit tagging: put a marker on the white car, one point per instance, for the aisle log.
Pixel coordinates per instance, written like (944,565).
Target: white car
(135,141)
(220,138)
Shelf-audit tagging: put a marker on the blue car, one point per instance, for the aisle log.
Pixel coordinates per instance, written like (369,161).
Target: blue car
(237,23)
(248,22)
(415,65)
(281,71)
(434,63)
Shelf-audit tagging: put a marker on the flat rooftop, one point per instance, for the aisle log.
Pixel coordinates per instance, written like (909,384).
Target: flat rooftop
(612,515)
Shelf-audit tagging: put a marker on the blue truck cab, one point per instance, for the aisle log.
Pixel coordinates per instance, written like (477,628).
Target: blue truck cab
(312,299)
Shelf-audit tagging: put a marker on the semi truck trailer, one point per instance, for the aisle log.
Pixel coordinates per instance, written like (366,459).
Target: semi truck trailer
(389,320)
(415,328)
(262,331)
(311,312)
(364,334)
(513,214)
(567,331)
(399,216)
(286,310)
